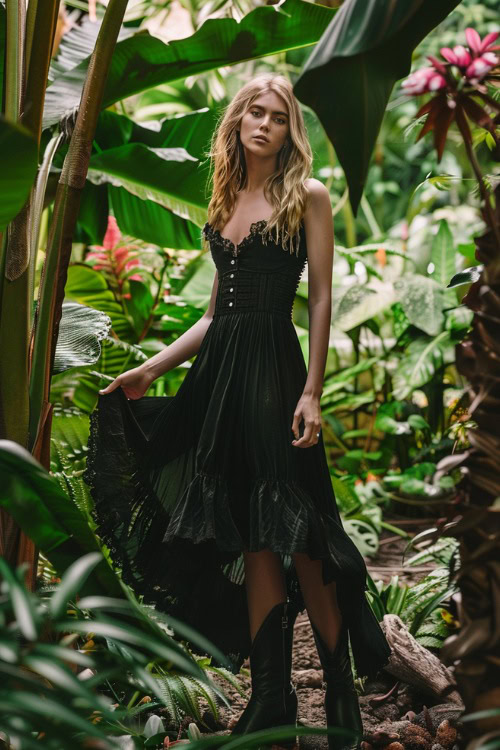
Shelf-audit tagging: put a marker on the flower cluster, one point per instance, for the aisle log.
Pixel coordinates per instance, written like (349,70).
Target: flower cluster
(473,63)
(115,259)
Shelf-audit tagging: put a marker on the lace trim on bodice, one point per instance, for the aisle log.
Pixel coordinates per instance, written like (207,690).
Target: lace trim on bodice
(227,244)
(214,235)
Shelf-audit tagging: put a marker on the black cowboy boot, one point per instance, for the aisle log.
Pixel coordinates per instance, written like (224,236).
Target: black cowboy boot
(273,702)
(341,700)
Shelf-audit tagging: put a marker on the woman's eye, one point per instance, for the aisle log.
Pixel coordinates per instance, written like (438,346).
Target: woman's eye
(278,119)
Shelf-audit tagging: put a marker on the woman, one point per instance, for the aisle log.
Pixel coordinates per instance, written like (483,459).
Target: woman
(217,502)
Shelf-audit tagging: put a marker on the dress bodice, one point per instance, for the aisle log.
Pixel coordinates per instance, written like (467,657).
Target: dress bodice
(257,274)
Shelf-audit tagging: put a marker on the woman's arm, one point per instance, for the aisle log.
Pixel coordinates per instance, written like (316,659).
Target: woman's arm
(186,346)
(319,235)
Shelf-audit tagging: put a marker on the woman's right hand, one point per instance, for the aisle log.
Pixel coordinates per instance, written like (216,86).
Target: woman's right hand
(134,383)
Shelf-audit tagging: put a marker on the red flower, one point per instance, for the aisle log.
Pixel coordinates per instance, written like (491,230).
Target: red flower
(457,56)
(113,234)
(425,79)
(476,45)
(115,259)
(456,97)
(480,66)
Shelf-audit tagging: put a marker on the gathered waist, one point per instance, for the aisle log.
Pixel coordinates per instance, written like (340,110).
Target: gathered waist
(251,291)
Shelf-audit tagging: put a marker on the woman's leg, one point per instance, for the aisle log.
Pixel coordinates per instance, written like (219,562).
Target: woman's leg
(320,600)
(273,701)
(265,585)
(341,700)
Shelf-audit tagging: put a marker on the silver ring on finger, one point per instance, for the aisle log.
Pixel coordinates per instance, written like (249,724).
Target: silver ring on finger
(317,434)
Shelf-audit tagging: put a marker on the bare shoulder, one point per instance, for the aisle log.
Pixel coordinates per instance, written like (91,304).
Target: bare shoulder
(318,197)
(318,201)
(315,187)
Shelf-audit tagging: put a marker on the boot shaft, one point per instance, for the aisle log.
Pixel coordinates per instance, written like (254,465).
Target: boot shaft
(274,701)
(271,650)
(336,664)
(341,700)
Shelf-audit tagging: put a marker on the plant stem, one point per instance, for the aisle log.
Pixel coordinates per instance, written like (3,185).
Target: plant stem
(13,59)
(463,126)
(370,217)
(66,207)
(350,228)
(41,23)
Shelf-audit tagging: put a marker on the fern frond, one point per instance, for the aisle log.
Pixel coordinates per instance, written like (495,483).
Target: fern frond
(165,685)
(210,697)
(229,677)
(189,696)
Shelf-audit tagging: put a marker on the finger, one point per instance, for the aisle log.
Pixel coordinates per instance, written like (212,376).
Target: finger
(310,436)
(301,443)
(295,424)
(111,387)
(308,432)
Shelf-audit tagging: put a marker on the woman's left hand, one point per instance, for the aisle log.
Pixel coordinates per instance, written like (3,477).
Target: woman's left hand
(307,409)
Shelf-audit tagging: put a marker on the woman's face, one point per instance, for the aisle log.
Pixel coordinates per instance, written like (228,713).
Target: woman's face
(264,126)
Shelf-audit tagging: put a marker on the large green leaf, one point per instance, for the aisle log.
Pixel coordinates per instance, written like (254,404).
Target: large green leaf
(357,304)
(42,510)
(80,332)
(77,45)
(349,76)
(19,165)
(363,535)
(147,219)
(93,214)
(421,360)
(89,287)
(168,176)
(192,131)
(199,287)
(443,258)
(422,301)
(151,222)
(143,61)
(346,498)
(443,254)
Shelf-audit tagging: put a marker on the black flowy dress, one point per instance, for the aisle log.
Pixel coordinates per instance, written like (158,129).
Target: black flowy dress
(182,484)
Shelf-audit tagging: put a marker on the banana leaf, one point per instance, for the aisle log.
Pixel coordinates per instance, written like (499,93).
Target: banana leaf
(80,332)
(348,78)
(143,61)
(19,165)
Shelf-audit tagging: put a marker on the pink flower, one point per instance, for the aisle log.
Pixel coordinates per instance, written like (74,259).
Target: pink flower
(113,234)
(440,67)
(481,65)
(425,79)
(99,256)
(115,259)
(457,56)
(476,45)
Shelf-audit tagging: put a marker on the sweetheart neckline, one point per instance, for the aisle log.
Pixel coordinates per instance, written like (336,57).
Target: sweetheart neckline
(235,250)
(250,234)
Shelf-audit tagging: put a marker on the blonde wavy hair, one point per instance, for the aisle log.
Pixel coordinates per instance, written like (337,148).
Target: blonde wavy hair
(284,189)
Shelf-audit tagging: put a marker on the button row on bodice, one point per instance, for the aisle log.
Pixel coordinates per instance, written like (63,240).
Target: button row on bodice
(245,291)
